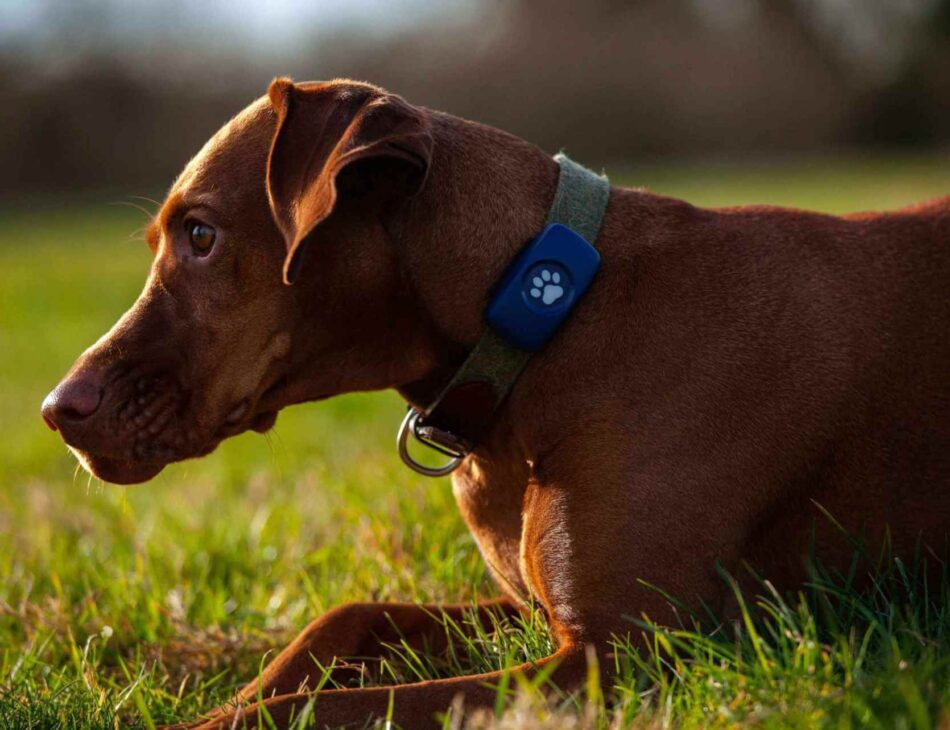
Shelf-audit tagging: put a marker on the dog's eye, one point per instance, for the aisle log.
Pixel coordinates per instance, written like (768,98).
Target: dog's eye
(202,237)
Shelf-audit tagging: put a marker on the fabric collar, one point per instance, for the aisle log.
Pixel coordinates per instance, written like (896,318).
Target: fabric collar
(458,418)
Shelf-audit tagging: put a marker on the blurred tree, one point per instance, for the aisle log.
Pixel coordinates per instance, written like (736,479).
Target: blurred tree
(911,109)
(117,94)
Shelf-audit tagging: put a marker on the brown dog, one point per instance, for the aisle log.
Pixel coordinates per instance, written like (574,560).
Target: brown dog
(727,369)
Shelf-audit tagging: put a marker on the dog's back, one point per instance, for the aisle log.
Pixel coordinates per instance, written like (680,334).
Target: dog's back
(760,362)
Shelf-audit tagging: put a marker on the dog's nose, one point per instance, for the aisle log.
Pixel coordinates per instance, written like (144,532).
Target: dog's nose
(73,400)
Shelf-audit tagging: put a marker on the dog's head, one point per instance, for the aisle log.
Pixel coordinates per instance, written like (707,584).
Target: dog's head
(304,187)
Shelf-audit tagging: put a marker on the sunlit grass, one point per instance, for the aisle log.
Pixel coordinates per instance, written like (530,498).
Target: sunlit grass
(152,603)
(842,185)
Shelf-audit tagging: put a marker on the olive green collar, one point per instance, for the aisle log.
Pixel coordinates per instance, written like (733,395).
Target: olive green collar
(455,422)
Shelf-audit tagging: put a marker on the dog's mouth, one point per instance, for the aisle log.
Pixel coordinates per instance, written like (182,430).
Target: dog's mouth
(241,418)
(118,471)
(130,471)
(151,452)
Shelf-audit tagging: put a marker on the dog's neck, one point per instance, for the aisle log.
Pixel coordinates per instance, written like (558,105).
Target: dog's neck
(487,194)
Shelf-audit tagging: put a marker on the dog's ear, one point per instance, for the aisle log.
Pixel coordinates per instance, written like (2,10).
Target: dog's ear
(323,128)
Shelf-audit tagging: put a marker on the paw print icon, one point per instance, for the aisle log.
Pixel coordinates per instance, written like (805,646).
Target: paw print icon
(535,295)
(547,285)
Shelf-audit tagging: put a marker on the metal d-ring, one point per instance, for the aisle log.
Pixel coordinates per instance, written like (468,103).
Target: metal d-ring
(410,424)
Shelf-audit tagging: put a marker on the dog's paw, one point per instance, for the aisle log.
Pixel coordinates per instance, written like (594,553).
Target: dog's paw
(547,287)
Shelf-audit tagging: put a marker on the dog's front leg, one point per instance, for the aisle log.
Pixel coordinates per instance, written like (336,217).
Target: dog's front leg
(357,630)
(414,705)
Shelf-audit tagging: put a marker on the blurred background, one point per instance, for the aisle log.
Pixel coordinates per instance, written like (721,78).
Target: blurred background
(117,94)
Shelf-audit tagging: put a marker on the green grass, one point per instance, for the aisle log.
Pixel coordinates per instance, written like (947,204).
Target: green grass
(150,603)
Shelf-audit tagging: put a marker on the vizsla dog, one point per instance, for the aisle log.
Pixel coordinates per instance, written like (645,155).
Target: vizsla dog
(727,371)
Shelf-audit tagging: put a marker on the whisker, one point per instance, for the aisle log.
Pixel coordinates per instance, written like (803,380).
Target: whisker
(138,234)
(276,447)
(147,199)
(148,214)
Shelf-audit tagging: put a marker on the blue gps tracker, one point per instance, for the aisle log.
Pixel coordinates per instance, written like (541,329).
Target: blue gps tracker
(541,286)
(527,305)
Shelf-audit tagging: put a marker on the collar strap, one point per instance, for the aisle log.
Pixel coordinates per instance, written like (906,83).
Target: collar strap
(528,305)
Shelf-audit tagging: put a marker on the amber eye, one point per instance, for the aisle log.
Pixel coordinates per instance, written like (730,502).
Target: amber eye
(202,237)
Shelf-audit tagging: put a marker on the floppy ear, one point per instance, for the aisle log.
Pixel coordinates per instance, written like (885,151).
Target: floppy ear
(322,128)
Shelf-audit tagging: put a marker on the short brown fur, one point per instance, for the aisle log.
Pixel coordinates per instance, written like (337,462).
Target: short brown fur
(728,370)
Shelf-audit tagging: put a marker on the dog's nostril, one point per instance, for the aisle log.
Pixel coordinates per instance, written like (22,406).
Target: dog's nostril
(73,400)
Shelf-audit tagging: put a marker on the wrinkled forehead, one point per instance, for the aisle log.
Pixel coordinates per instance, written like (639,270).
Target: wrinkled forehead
(233,162)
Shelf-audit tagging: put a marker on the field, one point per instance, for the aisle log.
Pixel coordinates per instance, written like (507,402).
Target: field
(142,605)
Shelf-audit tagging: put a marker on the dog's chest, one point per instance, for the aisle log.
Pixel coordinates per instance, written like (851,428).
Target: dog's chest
(491,501)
